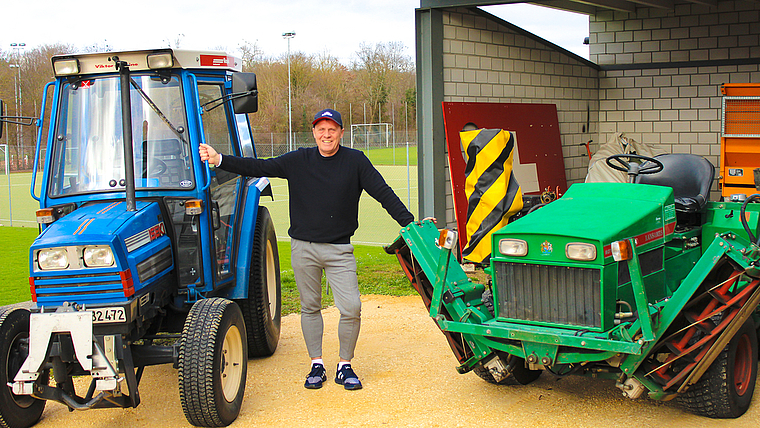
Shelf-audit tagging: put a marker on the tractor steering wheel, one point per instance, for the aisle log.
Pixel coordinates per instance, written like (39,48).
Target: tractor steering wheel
(159,167)
(633,169)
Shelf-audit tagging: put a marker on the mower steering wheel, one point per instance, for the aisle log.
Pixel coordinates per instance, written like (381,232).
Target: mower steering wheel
(631,168)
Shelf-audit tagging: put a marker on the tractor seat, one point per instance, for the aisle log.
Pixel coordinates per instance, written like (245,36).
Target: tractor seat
(690,176)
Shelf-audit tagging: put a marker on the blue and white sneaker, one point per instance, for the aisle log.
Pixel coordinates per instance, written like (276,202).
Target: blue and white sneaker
(345,376)
(315,378)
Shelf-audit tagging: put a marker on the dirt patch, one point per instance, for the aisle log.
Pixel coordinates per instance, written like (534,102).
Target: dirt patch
(409,380)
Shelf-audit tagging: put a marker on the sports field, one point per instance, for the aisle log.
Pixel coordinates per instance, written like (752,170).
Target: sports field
(376,227)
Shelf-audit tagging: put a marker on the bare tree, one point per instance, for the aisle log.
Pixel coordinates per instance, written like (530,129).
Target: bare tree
(251,54)
(383,75)
(35,71)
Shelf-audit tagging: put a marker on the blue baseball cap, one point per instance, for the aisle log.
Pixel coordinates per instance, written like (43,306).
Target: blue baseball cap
(329,114)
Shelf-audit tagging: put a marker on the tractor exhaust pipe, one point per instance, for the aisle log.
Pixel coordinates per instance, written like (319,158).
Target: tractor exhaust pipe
(126,125)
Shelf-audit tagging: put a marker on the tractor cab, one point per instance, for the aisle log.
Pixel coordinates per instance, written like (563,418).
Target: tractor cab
(140,162)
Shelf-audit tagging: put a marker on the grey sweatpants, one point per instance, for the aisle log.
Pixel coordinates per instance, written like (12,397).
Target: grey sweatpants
(309,260)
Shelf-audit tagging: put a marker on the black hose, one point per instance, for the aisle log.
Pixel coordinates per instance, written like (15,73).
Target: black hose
(744,220)
(534,207)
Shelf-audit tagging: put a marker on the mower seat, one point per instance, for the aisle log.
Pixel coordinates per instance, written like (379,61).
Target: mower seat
(690,176)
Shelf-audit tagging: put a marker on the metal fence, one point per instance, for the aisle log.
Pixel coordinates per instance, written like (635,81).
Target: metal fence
(18,158)
(272,144)
(396,161)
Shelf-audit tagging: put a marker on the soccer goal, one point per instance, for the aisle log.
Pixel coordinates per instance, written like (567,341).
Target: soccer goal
(365,136)
(4,160)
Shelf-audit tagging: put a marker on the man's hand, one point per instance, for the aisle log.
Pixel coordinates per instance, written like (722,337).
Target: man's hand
(433,219)
(209,154)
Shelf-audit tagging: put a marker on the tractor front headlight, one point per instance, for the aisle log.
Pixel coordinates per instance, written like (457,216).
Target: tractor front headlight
(53,258)
(98,256)
(580,251)
(513,247)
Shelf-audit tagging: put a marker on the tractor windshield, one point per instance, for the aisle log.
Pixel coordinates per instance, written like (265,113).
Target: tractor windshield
(88,153)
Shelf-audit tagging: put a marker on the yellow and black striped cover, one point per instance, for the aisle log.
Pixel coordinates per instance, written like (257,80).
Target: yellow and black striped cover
(493,194)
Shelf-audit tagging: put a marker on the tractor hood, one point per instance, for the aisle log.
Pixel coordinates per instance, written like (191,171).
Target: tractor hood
(598,214)
(93,222)
(104,223)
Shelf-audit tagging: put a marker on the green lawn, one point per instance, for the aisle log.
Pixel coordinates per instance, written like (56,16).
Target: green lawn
(379,273)
(14,273)
(392,156)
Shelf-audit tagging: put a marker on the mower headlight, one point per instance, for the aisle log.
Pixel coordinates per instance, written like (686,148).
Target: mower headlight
(513,247)
(580,251)
(98,256)
(53,258)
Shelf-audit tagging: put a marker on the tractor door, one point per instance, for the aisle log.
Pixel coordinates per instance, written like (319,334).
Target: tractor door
(220,128)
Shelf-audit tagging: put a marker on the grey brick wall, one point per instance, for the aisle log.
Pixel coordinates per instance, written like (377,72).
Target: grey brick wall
(663,71)
(486,61)
(658,78)
(691,32)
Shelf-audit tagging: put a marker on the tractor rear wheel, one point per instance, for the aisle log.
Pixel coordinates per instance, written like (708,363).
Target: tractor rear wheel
(262,308)
(520,374)
(726,388)
(15,410)
(213,363)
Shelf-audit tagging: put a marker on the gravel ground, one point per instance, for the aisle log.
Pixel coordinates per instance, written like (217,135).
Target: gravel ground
(409,380)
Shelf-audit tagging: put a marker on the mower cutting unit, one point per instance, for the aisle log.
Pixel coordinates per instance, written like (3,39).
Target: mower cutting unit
(145,256)
(647,284)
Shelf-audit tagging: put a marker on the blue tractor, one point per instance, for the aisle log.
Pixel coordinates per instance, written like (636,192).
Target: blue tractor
(145,255)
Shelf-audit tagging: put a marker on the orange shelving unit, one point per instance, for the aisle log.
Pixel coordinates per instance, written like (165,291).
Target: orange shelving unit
(740,139)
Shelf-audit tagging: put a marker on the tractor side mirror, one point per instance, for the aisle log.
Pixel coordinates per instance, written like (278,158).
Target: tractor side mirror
(245,98)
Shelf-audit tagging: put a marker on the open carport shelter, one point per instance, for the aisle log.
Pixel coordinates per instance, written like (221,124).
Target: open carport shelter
(655,71)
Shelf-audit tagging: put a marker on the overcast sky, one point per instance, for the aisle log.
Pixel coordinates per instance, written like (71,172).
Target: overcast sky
(338,27)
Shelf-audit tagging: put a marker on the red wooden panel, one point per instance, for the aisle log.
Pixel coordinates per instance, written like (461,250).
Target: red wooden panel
(536,126)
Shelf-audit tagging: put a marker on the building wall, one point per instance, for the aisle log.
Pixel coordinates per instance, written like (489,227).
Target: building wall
(488,60)
(662,71)
(654,74)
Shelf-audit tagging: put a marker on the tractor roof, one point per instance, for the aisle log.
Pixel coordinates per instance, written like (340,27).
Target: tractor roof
(152,59)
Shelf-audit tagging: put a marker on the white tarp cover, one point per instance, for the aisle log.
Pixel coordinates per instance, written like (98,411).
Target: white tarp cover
(600,172)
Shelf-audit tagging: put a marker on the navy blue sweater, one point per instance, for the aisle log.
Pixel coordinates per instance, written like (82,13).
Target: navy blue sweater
(324,191)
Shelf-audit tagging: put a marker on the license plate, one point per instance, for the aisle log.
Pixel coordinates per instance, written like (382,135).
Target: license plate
(108,315)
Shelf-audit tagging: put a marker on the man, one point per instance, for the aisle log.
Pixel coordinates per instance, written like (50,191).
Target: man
(324,184)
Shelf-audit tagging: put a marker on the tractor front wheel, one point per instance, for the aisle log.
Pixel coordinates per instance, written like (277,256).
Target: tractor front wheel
(15,410)
(726,388)
(213,363)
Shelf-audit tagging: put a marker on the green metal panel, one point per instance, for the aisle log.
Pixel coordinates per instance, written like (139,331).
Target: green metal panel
(601,212)
(724,217)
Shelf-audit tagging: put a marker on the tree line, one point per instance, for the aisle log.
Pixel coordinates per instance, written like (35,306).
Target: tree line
(378,86)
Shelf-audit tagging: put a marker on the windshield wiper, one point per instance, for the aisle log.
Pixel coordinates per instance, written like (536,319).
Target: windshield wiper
(157,110)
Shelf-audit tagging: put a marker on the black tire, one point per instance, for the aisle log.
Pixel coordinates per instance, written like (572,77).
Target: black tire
(520,374)
(262,308)
(212,363)
(726,388)
(15,410)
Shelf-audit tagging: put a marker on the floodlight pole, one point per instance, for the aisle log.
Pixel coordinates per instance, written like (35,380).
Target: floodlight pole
(289,35)
(8,174)
(18,47)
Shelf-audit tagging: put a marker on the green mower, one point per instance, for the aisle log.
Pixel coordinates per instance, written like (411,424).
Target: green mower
(643,282)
